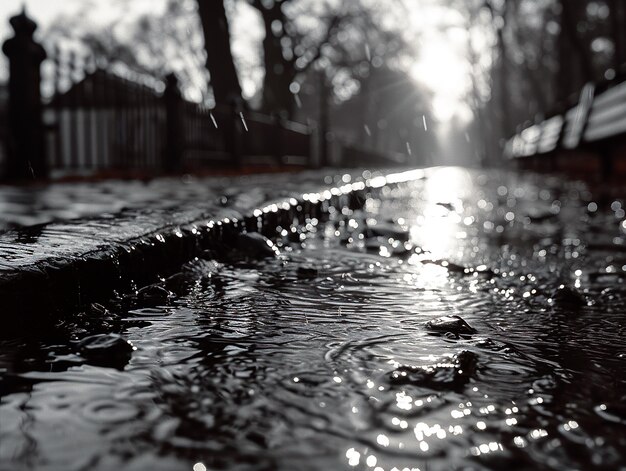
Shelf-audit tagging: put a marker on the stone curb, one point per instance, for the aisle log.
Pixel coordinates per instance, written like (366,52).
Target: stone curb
(65,266)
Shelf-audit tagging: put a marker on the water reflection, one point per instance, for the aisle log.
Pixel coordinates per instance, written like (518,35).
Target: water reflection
(323,358)
(438,215)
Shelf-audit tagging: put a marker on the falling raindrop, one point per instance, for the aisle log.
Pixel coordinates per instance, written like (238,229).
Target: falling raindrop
(424,121)
(296,98)
(213,120)
(368,53)
(245,126)
(408,147)
(367,130)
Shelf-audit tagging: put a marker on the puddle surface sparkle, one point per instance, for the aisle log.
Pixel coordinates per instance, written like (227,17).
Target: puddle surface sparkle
(345,352)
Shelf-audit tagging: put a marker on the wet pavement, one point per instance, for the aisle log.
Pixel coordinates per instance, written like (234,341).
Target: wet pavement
(28,205)
(161,225)
(466,320)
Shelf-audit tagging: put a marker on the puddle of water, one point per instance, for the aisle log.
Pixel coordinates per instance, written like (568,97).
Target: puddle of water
(324,358)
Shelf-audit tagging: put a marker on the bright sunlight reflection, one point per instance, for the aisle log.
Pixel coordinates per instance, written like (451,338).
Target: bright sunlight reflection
(441,69)
(442,61)
(438,227)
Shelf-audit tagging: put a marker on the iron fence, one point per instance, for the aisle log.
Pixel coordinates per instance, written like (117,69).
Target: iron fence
(96,121)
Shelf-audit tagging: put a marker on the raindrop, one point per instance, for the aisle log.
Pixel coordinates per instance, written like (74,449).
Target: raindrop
(245,126)
(213,120)
(408,147)
(353,457)
(424,121)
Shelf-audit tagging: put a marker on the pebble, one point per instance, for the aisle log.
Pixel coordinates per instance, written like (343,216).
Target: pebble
(567,297)
(448,206)
(108,348)
(387,231)
(307,272)
(255,245)
(453,324)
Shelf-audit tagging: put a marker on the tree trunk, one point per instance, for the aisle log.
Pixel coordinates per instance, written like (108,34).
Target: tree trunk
(573,74)
(220,64)
(502,75)
(505,103)
(279,72)
(617,34)
(487,139)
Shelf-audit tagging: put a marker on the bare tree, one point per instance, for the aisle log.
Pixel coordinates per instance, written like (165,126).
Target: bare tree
(219,58)
(339,39)
(287,52)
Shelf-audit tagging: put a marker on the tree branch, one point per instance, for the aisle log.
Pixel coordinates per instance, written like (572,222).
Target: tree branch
(333,24)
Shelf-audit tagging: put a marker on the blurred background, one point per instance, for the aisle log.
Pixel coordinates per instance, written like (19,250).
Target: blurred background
(417,82)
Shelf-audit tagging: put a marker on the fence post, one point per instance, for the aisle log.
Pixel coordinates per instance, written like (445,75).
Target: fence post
(174,130)
(323,120)
(26,143)
(278,138)
(235,132)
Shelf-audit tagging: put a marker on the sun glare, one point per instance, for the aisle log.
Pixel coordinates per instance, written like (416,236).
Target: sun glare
(442,69)
(441,64)
(437,228)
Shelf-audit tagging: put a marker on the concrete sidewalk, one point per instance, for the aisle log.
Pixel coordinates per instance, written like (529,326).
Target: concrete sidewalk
(68,264)
(28,205)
